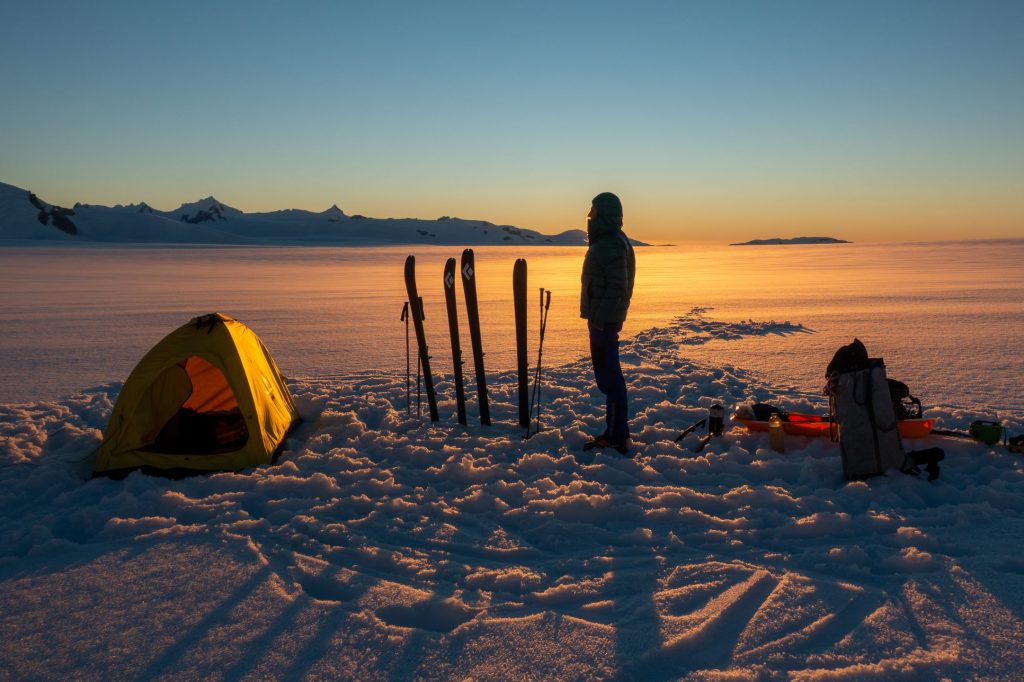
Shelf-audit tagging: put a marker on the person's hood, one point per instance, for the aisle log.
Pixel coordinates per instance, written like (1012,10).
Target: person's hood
(607,218)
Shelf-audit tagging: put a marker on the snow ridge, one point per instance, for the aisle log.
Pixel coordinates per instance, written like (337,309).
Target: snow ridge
(209,221)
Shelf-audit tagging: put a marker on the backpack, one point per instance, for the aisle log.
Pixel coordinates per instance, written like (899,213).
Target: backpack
(851,358)
(866,407)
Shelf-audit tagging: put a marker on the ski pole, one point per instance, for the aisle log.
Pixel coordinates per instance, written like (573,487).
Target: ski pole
(540,351)
(545,306)
(408,366)
(690,429)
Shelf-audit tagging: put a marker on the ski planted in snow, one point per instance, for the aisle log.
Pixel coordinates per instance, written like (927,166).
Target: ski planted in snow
(523,370)
(408,366)
(416,310)
(473,312)
(453,331)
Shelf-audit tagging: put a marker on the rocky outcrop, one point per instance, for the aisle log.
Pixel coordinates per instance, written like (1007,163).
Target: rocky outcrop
(58,215)
(215,212)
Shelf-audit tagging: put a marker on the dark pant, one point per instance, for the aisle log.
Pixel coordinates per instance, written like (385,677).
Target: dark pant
(604,351)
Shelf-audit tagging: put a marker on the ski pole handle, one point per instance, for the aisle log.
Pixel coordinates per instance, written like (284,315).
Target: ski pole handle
(405,312)
(547,303)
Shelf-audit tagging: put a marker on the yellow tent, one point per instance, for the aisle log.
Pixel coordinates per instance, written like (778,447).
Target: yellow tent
(207,397)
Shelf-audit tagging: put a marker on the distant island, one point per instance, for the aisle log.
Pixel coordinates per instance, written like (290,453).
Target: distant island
(24,216)
(779,241)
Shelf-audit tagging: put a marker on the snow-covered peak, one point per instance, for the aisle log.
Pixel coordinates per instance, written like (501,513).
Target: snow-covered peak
(205,210)
(23,215)
(141,207)
(210,204)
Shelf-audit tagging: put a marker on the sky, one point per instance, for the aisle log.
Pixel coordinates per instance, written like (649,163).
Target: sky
(869,121)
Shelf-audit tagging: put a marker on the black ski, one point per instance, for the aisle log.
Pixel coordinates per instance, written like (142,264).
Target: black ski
(453,331)
(519,299)
(408,365)
(416,310)
(473,312)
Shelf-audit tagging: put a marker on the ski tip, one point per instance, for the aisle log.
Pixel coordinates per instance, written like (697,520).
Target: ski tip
(410,261)
(449,275)
(467,253)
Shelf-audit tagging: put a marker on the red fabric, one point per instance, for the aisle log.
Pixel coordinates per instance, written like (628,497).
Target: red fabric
(210,389)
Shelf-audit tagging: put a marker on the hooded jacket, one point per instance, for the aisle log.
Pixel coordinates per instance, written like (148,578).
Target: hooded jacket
(610,265)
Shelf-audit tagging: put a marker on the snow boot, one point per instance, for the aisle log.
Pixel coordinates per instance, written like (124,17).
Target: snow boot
(601,442)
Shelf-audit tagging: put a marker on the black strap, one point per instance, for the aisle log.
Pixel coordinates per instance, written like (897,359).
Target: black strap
(869,404)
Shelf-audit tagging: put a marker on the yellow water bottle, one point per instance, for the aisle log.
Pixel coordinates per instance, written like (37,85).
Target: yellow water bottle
(776,436)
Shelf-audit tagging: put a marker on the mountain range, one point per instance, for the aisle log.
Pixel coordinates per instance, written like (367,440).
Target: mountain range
(781,241)
(27,217)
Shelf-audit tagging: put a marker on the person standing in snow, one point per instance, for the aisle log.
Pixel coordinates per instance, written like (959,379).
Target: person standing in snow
(608,273)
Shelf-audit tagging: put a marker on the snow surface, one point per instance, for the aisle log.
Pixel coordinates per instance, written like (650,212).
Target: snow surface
(383,547)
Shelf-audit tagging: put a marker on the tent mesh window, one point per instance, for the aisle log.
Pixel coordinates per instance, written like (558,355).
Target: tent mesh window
(200,411)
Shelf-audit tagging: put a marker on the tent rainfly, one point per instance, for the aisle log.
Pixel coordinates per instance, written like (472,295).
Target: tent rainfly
(208,397)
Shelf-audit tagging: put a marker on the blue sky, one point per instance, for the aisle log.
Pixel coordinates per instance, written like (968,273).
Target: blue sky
(864,120)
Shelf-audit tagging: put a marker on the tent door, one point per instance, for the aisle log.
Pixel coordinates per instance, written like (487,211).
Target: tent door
(195,411)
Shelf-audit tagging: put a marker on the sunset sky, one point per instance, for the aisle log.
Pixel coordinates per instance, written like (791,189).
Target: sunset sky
(712,120)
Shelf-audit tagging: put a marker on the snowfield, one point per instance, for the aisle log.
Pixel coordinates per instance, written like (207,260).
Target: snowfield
(383,547)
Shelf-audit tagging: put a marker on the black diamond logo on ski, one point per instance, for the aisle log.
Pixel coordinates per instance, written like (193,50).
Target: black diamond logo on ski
(449,280)
(467,272)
